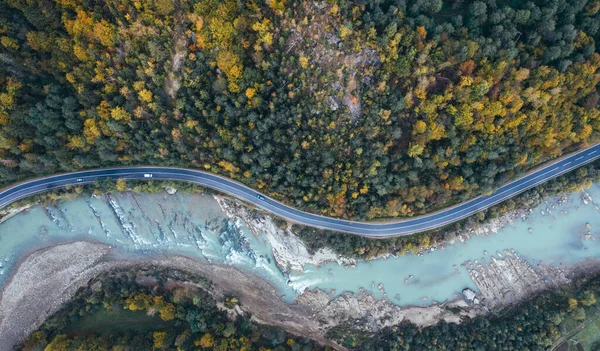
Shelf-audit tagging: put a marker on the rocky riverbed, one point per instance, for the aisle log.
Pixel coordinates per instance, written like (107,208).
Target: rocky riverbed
(289,251)
(510,279)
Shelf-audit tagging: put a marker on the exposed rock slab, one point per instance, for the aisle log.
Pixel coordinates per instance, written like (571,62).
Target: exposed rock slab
(7,213)
(508,279)
(372,315)
(289,251)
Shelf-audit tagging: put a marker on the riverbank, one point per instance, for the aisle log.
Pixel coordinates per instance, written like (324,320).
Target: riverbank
(504,279)
(49,277)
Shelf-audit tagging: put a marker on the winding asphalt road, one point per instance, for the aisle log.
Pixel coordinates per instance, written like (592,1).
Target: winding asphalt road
(404,227)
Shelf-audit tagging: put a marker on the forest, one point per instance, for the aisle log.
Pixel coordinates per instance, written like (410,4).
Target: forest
(354,109)
(176,312)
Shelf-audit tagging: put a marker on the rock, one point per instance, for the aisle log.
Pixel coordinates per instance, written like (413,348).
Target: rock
(469,294)
(332,103)
(170,190)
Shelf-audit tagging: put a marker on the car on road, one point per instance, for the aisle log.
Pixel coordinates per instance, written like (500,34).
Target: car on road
(148,175)
(260,197)
(79,180)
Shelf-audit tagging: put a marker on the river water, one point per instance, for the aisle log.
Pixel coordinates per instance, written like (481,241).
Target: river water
(195,226)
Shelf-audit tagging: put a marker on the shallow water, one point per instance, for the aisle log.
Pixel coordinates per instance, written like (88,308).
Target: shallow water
(194,225)
(146,224)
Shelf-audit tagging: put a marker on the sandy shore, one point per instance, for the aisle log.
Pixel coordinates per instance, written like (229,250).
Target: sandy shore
(42,283)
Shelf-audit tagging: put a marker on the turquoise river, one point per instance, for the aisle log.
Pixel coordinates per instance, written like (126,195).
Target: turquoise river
(195,226)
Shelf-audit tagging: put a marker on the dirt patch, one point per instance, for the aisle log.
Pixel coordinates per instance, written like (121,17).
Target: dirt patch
(173,82)
(329,53)
(563,347)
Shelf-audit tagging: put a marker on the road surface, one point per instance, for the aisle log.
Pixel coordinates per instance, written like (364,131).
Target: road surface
(403,227)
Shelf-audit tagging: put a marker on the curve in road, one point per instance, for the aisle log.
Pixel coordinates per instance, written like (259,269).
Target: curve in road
(403,227)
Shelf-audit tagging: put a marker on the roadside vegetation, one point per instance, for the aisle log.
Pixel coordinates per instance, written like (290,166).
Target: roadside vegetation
(354,109)
(585,334)
(150,309)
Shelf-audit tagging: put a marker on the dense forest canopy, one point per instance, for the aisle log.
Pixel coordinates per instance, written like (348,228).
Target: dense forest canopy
(348,108)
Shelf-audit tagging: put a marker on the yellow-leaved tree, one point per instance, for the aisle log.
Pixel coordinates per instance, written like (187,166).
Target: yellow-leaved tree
(206,341)
(159,340)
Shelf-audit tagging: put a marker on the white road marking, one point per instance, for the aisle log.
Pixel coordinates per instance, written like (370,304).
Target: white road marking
(579,158)
(593,152)
(566,164)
